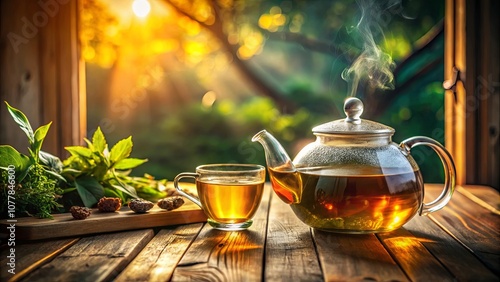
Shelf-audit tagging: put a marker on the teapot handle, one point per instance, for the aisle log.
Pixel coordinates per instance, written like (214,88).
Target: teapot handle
(449,171)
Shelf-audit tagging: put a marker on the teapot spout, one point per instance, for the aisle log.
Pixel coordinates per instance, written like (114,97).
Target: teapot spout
(285,179)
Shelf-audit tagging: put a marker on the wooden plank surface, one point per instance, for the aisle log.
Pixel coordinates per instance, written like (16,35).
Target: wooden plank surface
(417,262)
(459,260)
(438,247)
(95,258)
(29,256)
(218,255)
(481,195)
(473,225)
(157,261)
(290,250)
(349,257)
(64,225)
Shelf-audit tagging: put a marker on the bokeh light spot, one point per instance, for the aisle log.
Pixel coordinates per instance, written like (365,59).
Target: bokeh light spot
(208,99)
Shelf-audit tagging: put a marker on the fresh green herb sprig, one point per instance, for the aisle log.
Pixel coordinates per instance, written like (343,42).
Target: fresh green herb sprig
(36,175)
(35,195)
(95,171)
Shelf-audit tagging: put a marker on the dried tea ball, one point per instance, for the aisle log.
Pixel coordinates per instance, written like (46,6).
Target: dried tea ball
(171,203)
(80,212)
(109,204)
(140,205)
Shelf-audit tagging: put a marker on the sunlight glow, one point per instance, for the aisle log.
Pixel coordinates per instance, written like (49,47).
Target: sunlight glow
(141,8)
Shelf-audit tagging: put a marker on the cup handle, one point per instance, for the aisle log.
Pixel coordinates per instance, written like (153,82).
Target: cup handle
(449,171)
(193,175)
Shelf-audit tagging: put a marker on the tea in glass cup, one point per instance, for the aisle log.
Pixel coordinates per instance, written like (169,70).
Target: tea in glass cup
(229,194)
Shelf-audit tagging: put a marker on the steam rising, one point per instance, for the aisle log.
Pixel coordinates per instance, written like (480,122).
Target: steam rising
(373,66)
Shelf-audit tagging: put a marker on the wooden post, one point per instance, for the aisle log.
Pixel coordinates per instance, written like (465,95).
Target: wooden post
(42,72)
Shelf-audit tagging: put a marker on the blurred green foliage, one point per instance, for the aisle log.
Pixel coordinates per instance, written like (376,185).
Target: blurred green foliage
(196,135)
(302,58)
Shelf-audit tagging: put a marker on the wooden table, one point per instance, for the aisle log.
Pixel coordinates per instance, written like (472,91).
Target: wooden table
(459,242)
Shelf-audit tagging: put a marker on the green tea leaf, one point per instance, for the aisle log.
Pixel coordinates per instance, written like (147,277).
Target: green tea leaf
(40,134)
(32,155)
(75,162)
(70,174)
(50,161)
(71,171)
(100,170)
(56,175)
(22,121)
(89,144)
(127,189)
(79,151)
(89,189)
(67,190)
(129,163)
(10,156)
(25,172)
(108,192)
(121,150)
(150,193)
(99,141)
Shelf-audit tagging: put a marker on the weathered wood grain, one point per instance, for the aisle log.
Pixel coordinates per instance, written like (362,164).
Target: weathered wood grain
(20,75)
(51,104)
(350,257)
(227,256)
(417,262)
(157,261)
(30,256)
(484,196)
(290,250)
(476,227)
(72,103)
(96,258)
(64,225)
(462,263)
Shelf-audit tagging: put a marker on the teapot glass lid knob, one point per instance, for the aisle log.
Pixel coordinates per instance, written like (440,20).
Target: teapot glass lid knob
(353,124)
(353,108)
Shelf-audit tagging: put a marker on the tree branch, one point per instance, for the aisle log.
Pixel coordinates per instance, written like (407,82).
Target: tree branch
(426,41)
(320,46)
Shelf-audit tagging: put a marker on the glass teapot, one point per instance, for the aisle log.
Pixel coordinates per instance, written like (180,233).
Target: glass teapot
(353,178)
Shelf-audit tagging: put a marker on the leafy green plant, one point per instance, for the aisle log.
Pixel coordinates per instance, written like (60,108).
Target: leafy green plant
(43,183)
(35,190)
(95,171)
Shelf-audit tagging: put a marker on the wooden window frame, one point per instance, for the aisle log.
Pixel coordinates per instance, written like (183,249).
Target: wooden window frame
(472,101)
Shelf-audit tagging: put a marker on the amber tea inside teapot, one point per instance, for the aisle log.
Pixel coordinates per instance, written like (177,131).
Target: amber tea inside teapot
(353,178)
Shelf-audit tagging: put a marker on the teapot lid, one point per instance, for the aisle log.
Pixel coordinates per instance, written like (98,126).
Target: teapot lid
(353,124)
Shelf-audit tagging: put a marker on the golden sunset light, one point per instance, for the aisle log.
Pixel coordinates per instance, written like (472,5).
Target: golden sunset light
(141,8)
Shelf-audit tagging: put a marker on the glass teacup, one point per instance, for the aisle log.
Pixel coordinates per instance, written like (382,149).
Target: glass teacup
(229,194)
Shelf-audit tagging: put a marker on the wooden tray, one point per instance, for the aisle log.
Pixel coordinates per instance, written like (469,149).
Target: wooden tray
(64,225)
